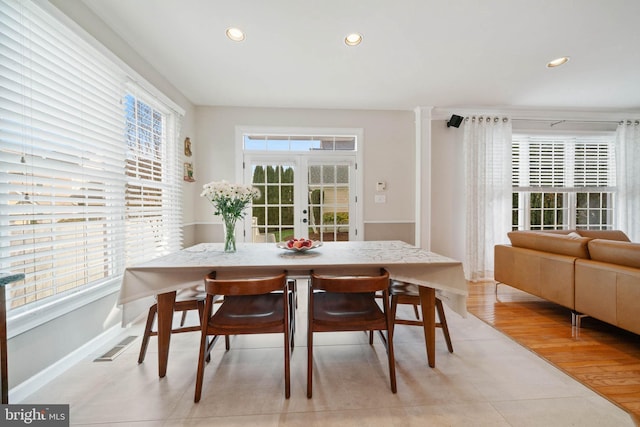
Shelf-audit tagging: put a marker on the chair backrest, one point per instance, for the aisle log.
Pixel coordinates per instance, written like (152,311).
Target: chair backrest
(248,286)
(351,284)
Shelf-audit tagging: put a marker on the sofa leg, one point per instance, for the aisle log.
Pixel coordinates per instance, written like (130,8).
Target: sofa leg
(579,317)
(576,318)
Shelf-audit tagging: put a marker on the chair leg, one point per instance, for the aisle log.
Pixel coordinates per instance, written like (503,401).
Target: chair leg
(310,304)
(415,310)
(287,361)
(202,319)
(443,324)
(391,354)
(392,311)
(292,315)
(309,365)
(294,290)
(204,344)
(184,318)
(147,332)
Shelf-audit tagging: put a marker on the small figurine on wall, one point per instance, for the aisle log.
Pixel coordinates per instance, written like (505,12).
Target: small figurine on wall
(187,147)
(188,172)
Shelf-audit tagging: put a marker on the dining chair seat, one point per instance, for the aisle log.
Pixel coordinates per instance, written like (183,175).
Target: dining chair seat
(357,311)
(408,293)
(265,310)
(348,303)
(250,306)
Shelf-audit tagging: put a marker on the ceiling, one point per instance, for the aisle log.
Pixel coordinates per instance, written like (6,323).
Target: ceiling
(454,53)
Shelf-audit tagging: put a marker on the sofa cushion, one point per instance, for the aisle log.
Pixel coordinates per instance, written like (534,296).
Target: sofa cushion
(551,242)
(604,234)
(615,252)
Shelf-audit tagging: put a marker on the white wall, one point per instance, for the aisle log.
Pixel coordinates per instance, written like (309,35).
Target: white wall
(388,147)
(447,190)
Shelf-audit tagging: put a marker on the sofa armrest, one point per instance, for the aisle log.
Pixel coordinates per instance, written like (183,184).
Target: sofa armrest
(543,274)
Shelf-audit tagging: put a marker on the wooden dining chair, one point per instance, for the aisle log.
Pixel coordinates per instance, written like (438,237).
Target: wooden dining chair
(250,306)
(348,303)
(408,293)
(186,300)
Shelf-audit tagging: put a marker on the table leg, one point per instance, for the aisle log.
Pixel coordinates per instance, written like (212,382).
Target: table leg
(428,305)
(166,302)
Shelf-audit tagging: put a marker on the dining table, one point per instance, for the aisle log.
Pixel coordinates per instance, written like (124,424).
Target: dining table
(162,277)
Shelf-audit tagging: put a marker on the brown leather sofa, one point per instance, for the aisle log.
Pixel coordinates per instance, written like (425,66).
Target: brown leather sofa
(594,273)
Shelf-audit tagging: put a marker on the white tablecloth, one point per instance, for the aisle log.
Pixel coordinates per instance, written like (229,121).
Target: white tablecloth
(187,268)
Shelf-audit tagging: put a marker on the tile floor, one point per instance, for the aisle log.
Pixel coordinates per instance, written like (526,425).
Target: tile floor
(488,381)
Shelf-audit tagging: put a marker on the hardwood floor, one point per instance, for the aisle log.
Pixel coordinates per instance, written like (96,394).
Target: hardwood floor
(602,357)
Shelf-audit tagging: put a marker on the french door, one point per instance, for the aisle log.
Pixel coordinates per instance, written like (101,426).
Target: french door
(302,195)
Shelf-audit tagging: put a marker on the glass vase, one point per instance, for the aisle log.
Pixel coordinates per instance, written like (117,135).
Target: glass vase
(229,233)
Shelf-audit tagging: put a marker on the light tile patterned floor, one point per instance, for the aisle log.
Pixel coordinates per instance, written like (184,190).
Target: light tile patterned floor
(489,381)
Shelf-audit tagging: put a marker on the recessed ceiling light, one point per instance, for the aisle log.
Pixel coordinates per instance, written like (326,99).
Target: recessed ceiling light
(353,39)
(558,62)
(235,34)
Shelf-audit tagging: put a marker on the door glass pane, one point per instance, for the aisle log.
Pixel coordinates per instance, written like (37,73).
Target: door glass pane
(342,174)
(329,202)
(272,212)
(314,175)
(328,174)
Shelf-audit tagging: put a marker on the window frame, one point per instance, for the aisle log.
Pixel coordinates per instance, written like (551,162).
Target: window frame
(570,193)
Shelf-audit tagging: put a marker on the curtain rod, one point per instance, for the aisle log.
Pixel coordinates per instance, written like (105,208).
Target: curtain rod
(536,115)
(557,122)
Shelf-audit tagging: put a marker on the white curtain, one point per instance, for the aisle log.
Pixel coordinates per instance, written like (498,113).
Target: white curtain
(487,148)
(628,179)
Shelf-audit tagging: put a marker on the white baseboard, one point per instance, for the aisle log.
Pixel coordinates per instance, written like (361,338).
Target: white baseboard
(28,387)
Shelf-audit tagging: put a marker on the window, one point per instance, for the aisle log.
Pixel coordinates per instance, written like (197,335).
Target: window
(153,202)
(67,207)
(563,182)
(299,143)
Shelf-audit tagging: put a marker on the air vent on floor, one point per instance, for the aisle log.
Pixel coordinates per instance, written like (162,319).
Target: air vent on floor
(116,350)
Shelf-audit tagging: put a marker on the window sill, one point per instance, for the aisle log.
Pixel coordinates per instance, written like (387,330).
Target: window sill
(21,322)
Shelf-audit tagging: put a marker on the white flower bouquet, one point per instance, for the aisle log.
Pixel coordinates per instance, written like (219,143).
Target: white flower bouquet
(229,201)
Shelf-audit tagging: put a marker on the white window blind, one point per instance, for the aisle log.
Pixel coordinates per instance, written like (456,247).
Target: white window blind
(67,190)
(153,190)
(572,163)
